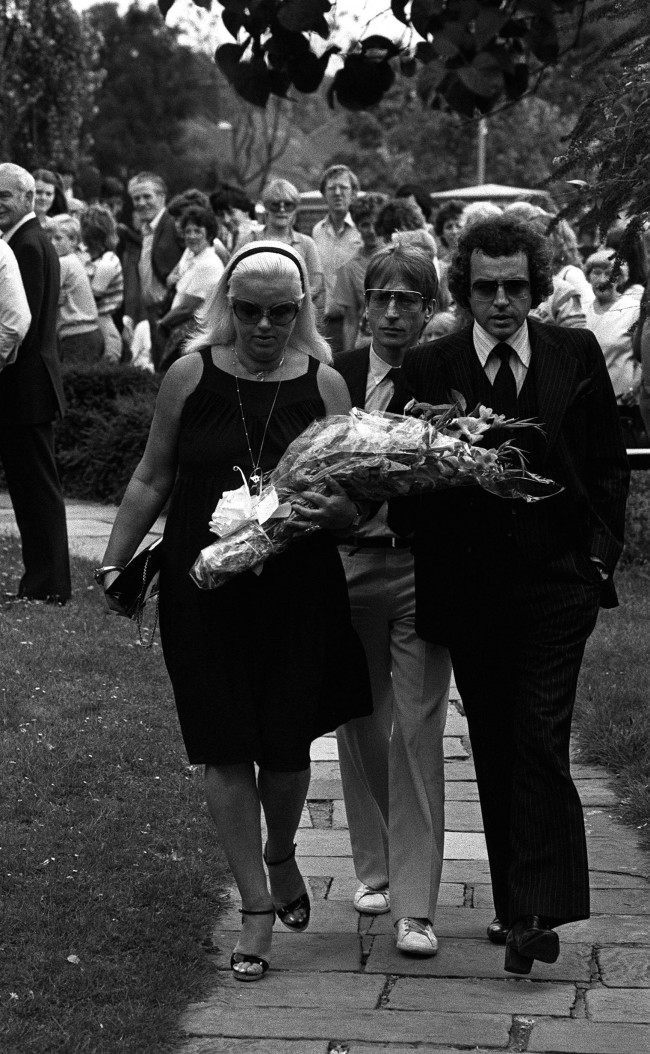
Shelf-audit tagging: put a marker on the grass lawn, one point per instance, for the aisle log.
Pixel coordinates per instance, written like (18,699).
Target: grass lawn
(110,876)
(612,712)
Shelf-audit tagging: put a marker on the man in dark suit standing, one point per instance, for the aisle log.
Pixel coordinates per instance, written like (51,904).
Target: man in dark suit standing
(31,396)
(512,588)
(392,763)
(161,249)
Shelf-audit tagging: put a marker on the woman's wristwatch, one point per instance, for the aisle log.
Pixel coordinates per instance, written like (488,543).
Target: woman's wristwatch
(99,574)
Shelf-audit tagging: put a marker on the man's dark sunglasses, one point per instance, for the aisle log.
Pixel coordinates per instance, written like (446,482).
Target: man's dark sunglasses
(275,206)
(278,315)
(487,288)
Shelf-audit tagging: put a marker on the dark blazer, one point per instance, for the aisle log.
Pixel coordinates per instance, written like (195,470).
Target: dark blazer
(30,389)
(353,367)
(167,247)
(460,531)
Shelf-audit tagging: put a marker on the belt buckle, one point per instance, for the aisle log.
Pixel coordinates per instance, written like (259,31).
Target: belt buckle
(393,541)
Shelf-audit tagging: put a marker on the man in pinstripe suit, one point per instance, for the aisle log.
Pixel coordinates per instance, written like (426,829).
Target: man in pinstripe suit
(513,589)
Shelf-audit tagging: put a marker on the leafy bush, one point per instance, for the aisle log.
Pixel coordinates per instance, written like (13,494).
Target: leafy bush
(103,434)
(637,520)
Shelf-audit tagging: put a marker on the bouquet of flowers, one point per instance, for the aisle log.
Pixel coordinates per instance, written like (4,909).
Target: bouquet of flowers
(373,457)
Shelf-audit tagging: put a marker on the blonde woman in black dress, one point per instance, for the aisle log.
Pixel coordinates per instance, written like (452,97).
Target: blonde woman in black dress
(265,664)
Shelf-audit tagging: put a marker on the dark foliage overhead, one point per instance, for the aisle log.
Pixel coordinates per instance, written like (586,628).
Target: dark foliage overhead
(476,53)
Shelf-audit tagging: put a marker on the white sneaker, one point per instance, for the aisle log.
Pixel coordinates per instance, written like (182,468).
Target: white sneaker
(369,901)
(415,937)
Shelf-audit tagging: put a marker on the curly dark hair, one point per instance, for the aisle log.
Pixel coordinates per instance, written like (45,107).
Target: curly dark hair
(200,218)
(227,196)
(98,229)
(398,214)
(451,210)
(501,236)
(366,207)
(176,207)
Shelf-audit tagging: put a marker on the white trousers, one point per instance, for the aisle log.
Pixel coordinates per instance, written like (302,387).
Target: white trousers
(392,763)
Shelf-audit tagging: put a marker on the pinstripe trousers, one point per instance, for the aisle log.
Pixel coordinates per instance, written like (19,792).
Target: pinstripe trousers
(392,763)
(518,683)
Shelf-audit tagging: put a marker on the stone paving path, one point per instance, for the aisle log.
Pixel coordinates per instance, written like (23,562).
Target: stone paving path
(341,987)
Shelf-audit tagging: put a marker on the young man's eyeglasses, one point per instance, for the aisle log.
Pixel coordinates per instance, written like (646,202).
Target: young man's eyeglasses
(486,289)
(278,314)
(403,299)
(277,206)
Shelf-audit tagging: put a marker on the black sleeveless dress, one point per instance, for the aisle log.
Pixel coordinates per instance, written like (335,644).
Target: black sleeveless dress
(266,663)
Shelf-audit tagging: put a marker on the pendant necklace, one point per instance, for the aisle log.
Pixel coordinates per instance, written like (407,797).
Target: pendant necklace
(256,475)
(259,375)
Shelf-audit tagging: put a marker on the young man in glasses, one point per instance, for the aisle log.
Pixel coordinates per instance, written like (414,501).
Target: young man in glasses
(512,588)
(337,240)
(392,764)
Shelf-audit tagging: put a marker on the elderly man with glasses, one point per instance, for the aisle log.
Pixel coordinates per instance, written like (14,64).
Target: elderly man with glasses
(392,764)
(513,589)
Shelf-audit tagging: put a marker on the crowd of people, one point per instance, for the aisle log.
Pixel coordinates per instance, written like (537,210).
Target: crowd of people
(259,329)
(149,266)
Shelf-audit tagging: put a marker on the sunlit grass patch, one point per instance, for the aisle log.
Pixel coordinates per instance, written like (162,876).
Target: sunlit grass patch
(109,872)
(612,711)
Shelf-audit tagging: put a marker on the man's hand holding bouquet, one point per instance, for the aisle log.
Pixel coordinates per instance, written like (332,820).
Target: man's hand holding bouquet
(363,457)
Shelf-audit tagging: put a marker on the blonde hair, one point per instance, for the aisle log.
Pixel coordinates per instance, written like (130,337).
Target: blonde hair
(477,211)
(69,225)
(279,187)
(267,261)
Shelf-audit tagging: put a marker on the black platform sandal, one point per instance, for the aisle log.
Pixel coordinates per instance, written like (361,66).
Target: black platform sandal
(245,957)
(300,904)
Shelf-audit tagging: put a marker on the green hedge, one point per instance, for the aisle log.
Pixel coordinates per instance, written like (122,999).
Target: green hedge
(103,434)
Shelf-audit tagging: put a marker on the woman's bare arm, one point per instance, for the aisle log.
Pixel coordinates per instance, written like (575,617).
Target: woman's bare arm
(154,476)
(333,390)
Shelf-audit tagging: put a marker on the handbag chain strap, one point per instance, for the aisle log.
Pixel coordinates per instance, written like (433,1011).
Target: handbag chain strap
(144,640)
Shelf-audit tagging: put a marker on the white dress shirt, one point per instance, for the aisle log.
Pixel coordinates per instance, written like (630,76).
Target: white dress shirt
(334,249)
(379,392)
(379,387)
(484,342)
(151,289)
(15,316)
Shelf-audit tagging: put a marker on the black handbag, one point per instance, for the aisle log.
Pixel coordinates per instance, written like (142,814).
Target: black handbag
(137,584)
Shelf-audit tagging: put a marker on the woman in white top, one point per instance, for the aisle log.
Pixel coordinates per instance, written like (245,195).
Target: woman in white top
(612,317)
(195,276)
(567,264)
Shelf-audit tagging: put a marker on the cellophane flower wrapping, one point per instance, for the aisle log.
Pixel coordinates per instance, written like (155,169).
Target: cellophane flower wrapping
(375,457)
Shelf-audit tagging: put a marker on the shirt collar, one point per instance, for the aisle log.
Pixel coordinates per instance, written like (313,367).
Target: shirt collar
(484,342)
(12,230)
(347,222)
(377,367)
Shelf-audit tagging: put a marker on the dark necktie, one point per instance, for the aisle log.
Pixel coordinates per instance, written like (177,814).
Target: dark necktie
(504,386)
(393,374)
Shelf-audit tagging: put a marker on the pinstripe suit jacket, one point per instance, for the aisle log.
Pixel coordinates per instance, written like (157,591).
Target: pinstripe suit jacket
(583,448)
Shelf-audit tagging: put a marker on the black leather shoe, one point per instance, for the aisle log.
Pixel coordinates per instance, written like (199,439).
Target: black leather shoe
(23,598)
(529,940)
(497,931)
